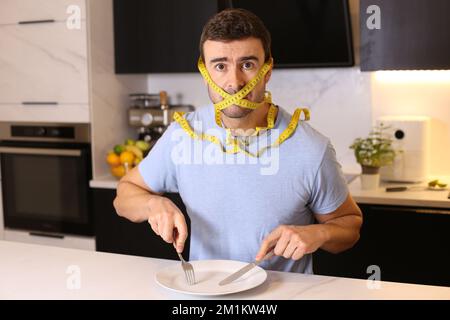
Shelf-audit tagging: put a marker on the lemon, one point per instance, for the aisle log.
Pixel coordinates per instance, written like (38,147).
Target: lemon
(143,145)
(136,151)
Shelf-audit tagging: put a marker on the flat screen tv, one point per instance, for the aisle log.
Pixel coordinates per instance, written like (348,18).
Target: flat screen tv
(305,33)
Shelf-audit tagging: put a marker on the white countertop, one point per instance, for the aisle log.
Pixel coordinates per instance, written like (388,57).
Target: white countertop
(40,272)
(415,198)
(106,182)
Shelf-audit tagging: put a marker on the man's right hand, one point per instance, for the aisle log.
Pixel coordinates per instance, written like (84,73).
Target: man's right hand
(168,221)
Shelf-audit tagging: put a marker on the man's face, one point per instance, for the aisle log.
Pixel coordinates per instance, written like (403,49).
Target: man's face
(231,65)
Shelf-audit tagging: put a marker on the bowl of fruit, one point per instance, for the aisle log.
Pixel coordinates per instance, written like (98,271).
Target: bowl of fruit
(125,157)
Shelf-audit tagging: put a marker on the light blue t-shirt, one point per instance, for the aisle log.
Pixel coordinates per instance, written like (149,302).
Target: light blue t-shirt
(235,201)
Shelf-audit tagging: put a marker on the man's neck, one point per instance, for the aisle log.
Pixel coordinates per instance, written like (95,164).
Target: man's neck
(257,118)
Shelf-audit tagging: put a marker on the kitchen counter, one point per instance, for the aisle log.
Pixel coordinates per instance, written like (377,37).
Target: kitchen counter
(41,272)
(106,182)
(415,198)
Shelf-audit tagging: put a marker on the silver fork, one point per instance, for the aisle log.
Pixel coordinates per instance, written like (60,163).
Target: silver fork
(187,267)
(188,270)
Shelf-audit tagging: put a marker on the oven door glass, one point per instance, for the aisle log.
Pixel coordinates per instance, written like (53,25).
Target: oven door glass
(46,189)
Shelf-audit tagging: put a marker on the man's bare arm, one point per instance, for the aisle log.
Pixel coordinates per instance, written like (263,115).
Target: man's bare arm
(137,203)
(341,226)
(337,231)
(133,197)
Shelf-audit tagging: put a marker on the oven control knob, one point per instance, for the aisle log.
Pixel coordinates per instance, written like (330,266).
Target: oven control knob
(147,119)
(41,131)
(54,132)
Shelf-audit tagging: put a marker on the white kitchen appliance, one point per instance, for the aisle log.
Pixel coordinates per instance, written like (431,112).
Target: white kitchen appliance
(410,136)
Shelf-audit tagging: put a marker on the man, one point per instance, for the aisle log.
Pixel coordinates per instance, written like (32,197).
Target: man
(236,212)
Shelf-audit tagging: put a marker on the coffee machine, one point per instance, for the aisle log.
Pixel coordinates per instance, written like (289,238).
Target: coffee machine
(151,114)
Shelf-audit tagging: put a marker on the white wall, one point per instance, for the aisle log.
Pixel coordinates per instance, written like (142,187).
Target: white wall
(424,93)
(108,91)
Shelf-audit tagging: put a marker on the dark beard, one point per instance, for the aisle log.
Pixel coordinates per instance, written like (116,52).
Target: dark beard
(233,111)
(236,112)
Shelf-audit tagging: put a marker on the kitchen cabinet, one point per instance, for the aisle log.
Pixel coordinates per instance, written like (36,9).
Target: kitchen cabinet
(163,36)
(408,244)
(118,235)
(44,62)
(14,11)
(404,34)
(159,36)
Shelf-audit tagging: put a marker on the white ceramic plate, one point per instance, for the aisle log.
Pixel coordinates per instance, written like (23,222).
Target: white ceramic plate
(208,274)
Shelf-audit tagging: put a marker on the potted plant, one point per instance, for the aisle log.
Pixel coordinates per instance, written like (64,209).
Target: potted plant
(372,153)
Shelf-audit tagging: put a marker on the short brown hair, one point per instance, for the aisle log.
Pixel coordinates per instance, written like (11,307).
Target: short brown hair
(235,24)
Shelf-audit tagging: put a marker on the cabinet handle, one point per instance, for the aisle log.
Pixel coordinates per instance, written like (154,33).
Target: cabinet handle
(36,21)
(47,235)
(42,151)
(38,103)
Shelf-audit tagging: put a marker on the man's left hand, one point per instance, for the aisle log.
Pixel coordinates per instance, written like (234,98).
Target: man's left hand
(293,242)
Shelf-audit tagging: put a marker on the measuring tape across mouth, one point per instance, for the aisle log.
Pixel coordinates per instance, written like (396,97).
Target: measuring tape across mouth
(238,99)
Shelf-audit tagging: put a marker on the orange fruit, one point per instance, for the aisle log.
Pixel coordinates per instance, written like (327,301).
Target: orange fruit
(113,159)
(118,171)
(127,157)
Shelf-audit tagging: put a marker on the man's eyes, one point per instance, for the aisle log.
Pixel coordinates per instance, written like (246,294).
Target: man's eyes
(220,67)
(248,65)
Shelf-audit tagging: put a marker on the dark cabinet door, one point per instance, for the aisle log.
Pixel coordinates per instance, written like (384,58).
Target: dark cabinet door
(409,245)
(118,235)
(404,34)
(153,36)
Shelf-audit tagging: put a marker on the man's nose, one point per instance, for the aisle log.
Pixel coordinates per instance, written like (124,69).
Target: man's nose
(235,81)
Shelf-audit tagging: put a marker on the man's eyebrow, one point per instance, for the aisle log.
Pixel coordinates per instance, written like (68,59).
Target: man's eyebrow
(246,58)
(224,59)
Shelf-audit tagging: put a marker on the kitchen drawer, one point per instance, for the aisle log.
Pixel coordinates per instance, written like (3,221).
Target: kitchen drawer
(13,11)
(63,112)
(407,244)
(43,63)
(85,243)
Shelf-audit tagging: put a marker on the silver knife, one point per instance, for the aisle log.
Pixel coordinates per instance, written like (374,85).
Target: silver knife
(244,270)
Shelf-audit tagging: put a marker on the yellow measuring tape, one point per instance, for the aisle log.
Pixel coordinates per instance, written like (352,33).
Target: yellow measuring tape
(238,99)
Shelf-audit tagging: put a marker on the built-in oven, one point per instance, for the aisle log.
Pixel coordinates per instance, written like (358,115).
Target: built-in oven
(45,170)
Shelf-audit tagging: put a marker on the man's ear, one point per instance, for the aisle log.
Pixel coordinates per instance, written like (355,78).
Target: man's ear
(269,73)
